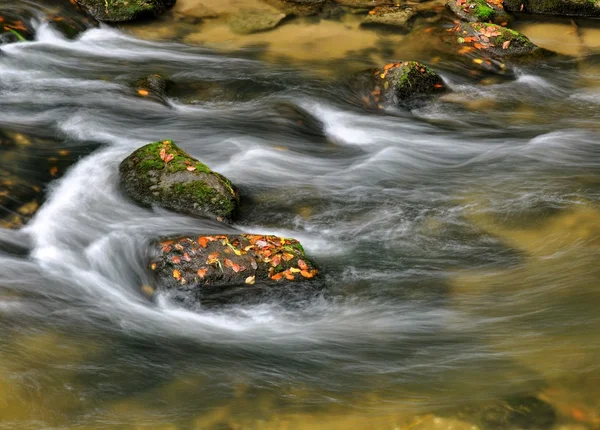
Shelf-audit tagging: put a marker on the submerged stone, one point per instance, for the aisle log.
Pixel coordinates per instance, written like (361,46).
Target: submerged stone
(298,7)
(210,266)
(408,84)
(517,412)
(583,8)
(164,175)
(151,84)
(479,10)
(400,17)
(124,10)
(249,21)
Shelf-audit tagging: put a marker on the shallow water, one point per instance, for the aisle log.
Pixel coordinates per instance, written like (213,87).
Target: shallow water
(458,242)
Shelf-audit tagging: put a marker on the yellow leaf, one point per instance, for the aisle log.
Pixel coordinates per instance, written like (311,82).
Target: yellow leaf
(250,280)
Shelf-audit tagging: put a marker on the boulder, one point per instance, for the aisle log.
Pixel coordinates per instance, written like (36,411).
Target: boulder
(124,10)
(407,84)
(164,175)
(298,7)
(154,85)
(215,265)
(479,10)
(583,8)
(249,21)
(400,17)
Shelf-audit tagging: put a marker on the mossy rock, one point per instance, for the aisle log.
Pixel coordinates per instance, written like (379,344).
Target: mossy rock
(400,17)
(209,266)
(164,175)
(16,24)
(583,8)
(407,84)
(479,10)
(497,41)
(358,4)
(249,21)
(125,10)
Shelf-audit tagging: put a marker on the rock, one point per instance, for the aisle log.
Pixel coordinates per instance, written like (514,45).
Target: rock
(125,10)
(359,4)
(479,10)
(164,175)
(584,8)
(155,85)
(298,7)
(210,266)
(255,20)
(16,25)
(390,16)
(519,412)
(408,84)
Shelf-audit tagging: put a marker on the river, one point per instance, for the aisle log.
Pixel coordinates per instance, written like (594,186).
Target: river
(458,242)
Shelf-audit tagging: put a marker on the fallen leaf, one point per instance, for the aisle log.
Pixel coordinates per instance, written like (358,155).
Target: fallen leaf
(506,44)
(143,93)
(289,277)
(191,168)
(175,259)
(153,266)
(302,265)
(169,157)
(203,241)
(250,280)
(163,154)
(177,274)
(306,274)
(277,277)
(275,261)
(202,272)
(294,270)
(186,257)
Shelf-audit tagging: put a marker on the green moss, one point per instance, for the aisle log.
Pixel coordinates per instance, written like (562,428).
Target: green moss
(201,193)
(150,156)
(483,12)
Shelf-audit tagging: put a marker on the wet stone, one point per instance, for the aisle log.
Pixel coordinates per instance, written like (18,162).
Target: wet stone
(407,84)
(124,10)
(154,85)
(162,174)
(479,10)
(582,8)
(215,265)
(399,17)
(249,21)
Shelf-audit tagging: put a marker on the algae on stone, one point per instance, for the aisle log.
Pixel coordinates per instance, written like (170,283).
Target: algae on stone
(124,10)
(164,175)
(478,11)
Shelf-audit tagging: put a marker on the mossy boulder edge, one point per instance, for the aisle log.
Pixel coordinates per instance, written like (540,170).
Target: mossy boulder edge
(125,10)
(162,174)
(478,11)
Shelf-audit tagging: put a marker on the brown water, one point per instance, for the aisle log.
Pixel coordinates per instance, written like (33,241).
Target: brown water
(459,241)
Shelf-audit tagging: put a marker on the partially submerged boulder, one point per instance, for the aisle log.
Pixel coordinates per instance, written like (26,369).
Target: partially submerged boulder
(208,265)
(154,85)
(400,17)
(164,175)
(479,10)
(583,8)
(124,10)
(408,84)
(491,48)
(249,21)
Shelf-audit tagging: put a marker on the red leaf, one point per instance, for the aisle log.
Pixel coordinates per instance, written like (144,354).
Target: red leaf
(302,265)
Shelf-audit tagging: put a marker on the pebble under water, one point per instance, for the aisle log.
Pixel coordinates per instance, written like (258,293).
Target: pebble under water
(458,245)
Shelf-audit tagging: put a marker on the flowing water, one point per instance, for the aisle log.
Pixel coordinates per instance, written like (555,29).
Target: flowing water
(458,243)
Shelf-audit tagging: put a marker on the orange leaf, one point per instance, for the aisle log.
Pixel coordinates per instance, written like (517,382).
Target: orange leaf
(143,93)
(277,277)
(289,277)
(163,154)
(168,158)
(227,262)
(506,44)
(202,272)
(177,274)
(302,265)
(306,274)
(214,256)
(203,241)
(275,261)
(176,259)
(186,257)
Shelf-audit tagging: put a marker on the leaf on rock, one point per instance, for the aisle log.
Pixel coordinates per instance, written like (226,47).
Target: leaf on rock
(250,280)
(506,44)
(302,265)
(175,260)
(191,168)
(306,274)
(202,272)
(177,274)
